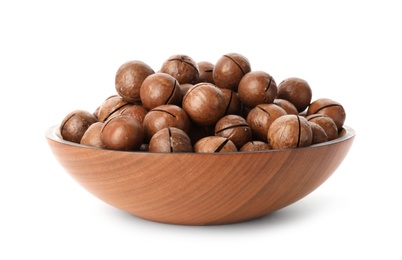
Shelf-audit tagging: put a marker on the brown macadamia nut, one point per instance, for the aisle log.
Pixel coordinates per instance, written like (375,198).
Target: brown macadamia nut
(286,105)
(214,144)
(204,103)
(260,119)
(110,106)
(170,140)
(290,131)
(181,67)
(319,134)
(326,123)
(96,112)
(165,116)
(92,137)
(253,146)
(75,124)
(160,89)
(330,108)
(229,70)
(232,102)
(205,69)
(122,132)
(205,107)
(129,78)
(297,91)
(137,111)
(235,128)
(257,87)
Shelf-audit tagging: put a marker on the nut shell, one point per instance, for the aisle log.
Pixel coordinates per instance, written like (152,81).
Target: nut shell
(260,119)
(160,89)
(290,131)
(327,123)
(165,116)
(110,107)
(205,69)
(92,137)
(235,128)
(181,67)
(229,70)
(214,144)
(170,140)
(122,132)
(204,103)
(330,108)
(75,124)
(232,102)
(137,111)
(319,134)
(253,146)
(257,87)
(286,105)
(129,78)
(297,91)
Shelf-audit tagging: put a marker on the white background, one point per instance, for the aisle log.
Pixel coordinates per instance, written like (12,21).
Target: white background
(58,56)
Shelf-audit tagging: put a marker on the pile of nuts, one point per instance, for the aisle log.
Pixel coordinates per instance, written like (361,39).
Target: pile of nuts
(202,107)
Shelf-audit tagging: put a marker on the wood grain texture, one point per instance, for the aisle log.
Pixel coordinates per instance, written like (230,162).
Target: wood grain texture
(200,189)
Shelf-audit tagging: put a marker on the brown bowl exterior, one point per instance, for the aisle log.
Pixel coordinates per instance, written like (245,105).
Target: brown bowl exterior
(200,189)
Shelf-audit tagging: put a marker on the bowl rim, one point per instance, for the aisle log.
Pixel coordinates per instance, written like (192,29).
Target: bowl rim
(53,133)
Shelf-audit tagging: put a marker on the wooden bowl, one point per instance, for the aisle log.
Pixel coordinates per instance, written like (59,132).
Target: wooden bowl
(200,189)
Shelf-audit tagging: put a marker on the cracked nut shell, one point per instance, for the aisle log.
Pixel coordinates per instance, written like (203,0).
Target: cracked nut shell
(204,103)
(123,133)
(330,108)
(257,87)
(110,107)
(232,102)
(287,105)
(160,89)
(255,146)
(129,78)
(165,116)
(205,69)
(327,123)
(260,119)
(235,128)
(290,131)
(75,124)
(229,70)
(181,67)
(136,111)
(170,140)
(214,144)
